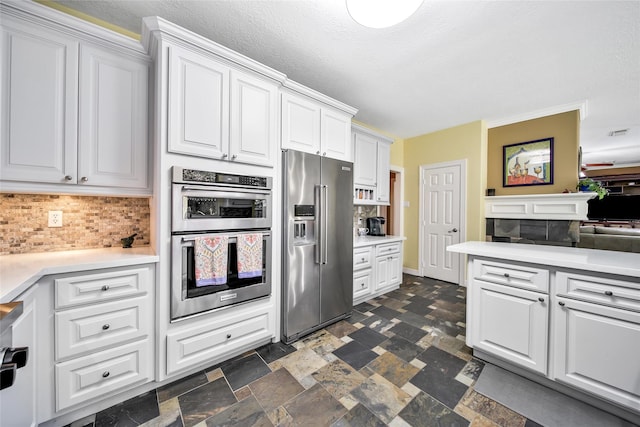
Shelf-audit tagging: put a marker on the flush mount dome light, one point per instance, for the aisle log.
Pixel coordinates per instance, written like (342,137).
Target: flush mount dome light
(381,13)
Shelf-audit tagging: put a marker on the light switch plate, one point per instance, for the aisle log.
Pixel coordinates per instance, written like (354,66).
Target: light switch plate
(55,219)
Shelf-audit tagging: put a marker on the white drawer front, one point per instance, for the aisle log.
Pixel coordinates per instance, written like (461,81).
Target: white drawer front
(361,283)
(362,258)
(387,248)
(92,288)
(102,373)
(98,326)
(524,277)
(601,290)
(192,346)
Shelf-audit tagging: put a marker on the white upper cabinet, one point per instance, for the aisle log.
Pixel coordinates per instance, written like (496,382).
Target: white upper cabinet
(112,120)
(219,112)
(312,127)
(254,119)
(198,104)
(74,109)
(39,104)
(371,165)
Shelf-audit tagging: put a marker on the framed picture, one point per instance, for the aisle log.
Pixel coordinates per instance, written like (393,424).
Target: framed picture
(528,163)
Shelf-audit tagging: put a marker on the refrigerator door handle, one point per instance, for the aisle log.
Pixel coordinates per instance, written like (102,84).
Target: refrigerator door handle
(324,189)
(317,226)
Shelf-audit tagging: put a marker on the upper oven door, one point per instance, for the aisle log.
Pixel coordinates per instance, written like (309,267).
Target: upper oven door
(203,208)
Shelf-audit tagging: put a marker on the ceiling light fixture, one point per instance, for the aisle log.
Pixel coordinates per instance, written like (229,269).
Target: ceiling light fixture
(381,13)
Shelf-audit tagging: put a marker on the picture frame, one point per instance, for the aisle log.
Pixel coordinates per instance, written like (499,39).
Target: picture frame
(528,163)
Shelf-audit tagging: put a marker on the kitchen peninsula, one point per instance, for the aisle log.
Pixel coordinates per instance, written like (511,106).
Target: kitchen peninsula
(566,317)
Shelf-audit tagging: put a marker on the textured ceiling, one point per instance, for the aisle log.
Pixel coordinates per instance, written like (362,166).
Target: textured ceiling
(451,63)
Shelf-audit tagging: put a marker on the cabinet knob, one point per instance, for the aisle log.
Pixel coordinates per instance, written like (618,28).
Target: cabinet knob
(84,179)
(541,299)
(506,275)
(608,293)
(228,336)
(105,374)
(362,285)
(560,303)
(324,153)
(68,177)
(318,152)
(235,156)
(106,326)
(363,260)
(225,155)
(105,288)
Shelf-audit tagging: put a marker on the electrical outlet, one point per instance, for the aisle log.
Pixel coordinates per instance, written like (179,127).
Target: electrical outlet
(55,218)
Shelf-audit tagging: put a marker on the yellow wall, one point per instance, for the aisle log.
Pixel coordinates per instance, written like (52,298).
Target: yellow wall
(468,142)
(564,128)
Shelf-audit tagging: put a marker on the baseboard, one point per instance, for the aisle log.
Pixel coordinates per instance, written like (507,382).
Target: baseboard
(410,271)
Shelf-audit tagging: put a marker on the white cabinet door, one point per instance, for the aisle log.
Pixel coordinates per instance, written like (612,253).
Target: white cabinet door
(382,272)
(395,269)
(300,124)
(198,105)
(254,125)
(512,324)
(112,147)
(365,160)
(18,403)
(39,106)
(382,172)
(362,285)
(336,135)
(597,349)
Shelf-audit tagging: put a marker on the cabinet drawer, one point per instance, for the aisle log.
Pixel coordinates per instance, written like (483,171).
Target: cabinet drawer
(97,326)
(362,258)
(102,373)
(387,248)
(215,340)
(92,288)
(524,277)
(361,283)
(600,290)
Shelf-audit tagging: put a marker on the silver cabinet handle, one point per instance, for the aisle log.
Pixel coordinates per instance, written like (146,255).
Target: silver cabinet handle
(608,293)
(324,153)
(225,155)
(105,374)
(228,336)
(105,288)
(560,303)
(506,275)
(235,156)
(541,299)
(106,326)
(362,285)
(318,152)
(84,179)
(68,177)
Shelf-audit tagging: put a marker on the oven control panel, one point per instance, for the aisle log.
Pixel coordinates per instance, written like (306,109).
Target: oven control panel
(194,176)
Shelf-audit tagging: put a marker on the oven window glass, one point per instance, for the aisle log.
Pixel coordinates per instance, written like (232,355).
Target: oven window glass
(220,207)
(233,282)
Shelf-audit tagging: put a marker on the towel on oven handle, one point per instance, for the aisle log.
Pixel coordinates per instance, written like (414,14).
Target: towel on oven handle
(211,260)
(249,247)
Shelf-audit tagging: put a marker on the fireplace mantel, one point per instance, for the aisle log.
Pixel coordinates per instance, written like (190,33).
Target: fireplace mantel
(563,206)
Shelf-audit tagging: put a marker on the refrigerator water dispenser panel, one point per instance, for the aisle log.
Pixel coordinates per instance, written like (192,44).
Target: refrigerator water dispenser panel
(304,211)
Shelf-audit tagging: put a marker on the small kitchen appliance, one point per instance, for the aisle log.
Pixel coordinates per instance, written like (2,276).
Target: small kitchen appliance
(374,224)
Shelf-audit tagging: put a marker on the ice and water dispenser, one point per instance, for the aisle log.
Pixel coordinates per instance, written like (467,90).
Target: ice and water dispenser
(304,224)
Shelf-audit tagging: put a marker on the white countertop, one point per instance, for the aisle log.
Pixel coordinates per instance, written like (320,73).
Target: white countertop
(360,241)
(613,262)
(19,272)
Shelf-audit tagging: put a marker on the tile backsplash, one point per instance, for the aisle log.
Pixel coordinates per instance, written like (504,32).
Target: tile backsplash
(87,222)
(361,212)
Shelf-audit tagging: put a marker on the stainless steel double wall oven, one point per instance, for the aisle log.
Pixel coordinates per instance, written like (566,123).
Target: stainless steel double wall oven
(212,204)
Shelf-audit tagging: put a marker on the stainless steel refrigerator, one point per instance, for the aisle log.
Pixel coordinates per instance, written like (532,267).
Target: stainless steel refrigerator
(317,243)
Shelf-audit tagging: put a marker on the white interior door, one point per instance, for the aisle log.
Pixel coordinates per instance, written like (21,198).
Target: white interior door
(441,219)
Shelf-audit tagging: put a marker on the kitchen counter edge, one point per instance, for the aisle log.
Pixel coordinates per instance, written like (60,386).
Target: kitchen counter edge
(19,272)
(360,241)
(612,262)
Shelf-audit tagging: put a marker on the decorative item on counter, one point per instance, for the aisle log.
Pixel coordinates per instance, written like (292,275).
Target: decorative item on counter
(128,241)
(363,231)
(588,184)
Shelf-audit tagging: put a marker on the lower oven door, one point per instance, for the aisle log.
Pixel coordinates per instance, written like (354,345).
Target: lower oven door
(189,297)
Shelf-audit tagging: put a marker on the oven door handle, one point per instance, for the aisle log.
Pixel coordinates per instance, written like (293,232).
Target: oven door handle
(232,237)
(224,191)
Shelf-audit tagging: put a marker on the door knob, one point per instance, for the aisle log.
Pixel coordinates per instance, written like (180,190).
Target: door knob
(453,230)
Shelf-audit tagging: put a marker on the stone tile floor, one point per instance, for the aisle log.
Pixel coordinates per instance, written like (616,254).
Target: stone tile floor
(400,360)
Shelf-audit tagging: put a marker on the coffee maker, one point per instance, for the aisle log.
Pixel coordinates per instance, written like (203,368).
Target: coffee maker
(374,224)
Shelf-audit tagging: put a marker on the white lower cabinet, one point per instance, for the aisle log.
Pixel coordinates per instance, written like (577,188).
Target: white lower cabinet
(511,323)
(223,335)
(597,349)
(377,270)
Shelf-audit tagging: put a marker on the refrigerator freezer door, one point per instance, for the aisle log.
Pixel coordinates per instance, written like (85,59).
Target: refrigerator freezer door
(336,213)
(301,273)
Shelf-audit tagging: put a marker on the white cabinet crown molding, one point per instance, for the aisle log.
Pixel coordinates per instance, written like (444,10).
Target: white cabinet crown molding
(361,129)
(48,17)
(154,27)
(303,90)
(563,206)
